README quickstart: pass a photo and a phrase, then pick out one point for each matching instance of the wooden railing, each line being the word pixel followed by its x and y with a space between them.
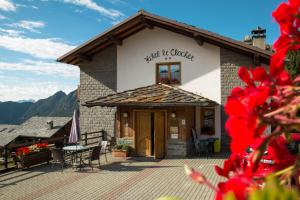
pixel 88 139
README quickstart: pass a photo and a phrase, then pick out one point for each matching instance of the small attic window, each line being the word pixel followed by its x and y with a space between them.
pixel 168 73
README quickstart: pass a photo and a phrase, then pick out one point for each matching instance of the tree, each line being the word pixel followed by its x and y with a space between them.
pixel 293 64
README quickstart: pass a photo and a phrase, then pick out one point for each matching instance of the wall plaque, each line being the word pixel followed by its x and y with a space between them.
pixel 169 53
pixel 174 136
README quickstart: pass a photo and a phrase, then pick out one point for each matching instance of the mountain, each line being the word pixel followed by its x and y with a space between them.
pixel 25 100
pixel 58 105
pixel 13 112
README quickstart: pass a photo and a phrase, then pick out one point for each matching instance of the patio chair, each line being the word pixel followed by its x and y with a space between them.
pixel 196 141
pixel 58 157
pixel 103 150
pixel 204 147
pixel 94 154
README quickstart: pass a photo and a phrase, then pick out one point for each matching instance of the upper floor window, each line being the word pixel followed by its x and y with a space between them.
pixel 168 73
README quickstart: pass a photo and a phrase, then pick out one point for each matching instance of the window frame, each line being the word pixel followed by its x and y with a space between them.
pixel 169 71
pixel 203 109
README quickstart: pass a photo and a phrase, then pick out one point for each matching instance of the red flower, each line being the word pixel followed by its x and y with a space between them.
pixel 238 185
pixel 242 105
pixel 244 75
pixel 22 151
pixel 42 145
pixel 259 74
pixel 233 164
pixel 287 15
pixel 278 151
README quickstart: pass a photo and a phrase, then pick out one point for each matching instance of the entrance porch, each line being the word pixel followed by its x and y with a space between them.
pixel 158 120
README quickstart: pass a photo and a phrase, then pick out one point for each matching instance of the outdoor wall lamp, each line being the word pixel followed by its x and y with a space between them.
pixel 125 114
pixel 173 114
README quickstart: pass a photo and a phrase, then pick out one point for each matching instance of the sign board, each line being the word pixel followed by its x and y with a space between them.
pixel 174 130
pixel 174 136
pixel 183 122
pixel 169 53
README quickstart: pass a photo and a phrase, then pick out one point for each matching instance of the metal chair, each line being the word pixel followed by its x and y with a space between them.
pixel 58 157
pixel 103 150
pixel 94 154
pixel 196 141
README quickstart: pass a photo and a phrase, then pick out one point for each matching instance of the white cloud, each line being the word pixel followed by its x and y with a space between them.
pixel 42 68
pixel 32 90
pixel 2 17
pixel 27 6
pixel 49 48
pixel 28 25
pixel 7 5
pixel 10 32
pixel 111 13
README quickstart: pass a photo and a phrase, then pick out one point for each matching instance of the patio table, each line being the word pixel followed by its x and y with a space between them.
pixel 76 149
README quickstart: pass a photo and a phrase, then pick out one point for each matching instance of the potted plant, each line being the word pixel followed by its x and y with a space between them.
pixel 28 156
pixel 122 148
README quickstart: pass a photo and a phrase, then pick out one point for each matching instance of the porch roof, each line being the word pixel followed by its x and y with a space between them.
pixel 152 95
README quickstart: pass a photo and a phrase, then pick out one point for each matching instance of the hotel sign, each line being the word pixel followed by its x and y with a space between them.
pixel 168 54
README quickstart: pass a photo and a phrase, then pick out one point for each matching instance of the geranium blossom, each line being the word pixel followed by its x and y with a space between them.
pixel 266 99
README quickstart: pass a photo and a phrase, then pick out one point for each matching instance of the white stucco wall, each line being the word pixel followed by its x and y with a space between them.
pixel 200 76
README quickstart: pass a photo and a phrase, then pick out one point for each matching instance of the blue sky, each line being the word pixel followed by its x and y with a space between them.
pixel 33 33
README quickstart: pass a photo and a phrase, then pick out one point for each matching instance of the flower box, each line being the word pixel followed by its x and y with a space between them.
pixel 120 153
pixel 28 156
pixel 35 158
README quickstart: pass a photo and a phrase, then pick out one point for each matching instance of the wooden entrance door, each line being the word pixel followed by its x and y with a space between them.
pixel 159 134
pixel 143 133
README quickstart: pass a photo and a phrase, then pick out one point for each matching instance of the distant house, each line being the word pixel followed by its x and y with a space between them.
pixel 7 128
pixel 151 80
pixel 47 129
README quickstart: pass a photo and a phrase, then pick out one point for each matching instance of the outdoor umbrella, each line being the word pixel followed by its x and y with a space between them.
pixel 75 130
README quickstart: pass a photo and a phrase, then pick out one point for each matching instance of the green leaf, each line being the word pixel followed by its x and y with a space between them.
pixel 229 196
pixel 273 190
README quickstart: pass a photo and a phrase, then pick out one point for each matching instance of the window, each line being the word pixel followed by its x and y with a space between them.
pixel 208 121
pixel 168 73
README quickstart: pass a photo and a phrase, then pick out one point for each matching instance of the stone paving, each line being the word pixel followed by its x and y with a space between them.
pixel 133 178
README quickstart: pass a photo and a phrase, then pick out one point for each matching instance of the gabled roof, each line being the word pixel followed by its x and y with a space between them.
pixel 7 128
pixel 152 95
pixel 35 127
pixel 142 20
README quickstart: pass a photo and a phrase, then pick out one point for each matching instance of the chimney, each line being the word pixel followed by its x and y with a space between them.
pixel 50 124
pixel 259 37
pixel 248 39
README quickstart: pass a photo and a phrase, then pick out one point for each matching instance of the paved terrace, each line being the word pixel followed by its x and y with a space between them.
pixel 132 179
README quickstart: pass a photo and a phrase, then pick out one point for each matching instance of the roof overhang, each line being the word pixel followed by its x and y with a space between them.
pixel 157 95
pixel 142 20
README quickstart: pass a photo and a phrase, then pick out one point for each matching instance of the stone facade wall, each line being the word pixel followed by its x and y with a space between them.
pixel 230 62
pixel 98 78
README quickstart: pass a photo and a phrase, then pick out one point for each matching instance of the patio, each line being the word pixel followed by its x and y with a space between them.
pixel 137 178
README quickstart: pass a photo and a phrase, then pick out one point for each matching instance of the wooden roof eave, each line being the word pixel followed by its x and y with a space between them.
pixel 202 104
pixel 211 39
pixel 101 41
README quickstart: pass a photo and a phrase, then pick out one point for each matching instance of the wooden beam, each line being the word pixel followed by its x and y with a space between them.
pixel 84 57
pixel 115 40
pixel 256 60
pixel 5 157
pixel 198 39
pixel 146 23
